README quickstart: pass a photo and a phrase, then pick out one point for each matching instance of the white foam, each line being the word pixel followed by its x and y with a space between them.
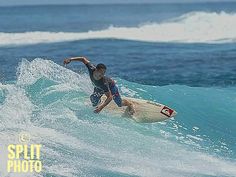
pixel 11 111
pixel 195 138
pixel 30 72
pixel 194 27
pixel 128 91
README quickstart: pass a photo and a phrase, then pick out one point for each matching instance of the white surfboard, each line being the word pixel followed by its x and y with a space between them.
pixel 146 111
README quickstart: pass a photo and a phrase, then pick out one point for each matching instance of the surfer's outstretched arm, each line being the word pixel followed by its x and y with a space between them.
pixel 81 59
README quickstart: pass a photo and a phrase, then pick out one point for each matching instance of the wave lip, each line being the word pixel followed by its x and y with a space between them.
pixel 194 27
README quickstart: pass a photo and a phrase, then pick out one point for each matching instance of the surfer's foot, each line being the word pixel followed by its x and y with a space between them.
pixel 131 109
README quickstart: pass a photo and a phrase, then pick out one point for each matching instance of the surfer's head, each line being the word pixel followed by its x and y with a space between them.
pixel 100 71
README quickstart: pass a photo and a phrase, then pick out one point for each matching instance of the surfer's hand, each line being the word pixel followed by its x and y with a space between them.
pixel 67 61
pixel 98 109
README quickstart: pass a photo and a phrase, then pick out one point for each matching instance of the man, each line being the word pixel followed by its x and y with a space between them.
pixel 102 85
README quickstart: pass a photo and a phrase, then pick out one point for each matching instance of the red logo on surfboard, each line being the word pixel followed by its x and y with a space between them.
pixel 167 111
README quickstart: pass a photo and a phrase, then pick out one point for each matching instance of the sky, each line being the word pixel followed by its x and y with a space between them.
pixel 36 2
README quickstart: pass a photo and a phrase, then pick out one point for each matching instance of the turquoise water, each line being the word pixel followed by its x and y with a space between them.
pixel 181 55
pixel 50 102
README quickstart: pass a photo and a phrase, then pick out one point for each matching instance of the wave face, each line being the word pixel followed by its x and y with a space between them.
pixel 76 142
pixel 194 27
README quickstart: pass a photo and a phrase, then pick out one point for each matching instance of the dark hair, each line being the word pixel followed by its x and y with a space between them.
pixel 101 66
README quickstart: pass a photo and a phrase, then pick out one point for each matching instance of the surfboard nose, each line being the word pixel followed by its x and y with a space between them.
pixel 174 113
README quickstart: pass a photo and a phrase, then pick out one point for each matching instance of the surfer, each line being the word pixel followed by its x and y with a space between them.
pixel 102 85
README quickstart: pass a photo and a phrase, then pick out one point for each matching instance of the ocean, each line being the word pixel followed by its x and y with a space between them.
pixel 181 55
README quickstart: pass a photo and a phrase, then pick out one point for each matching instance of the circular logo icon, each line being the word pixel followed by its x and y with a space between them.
pixel 24 137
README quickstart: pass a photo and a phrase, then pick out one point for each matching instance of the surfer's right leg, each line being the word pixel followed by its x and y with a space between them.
pixel 121 102
pixel 95 98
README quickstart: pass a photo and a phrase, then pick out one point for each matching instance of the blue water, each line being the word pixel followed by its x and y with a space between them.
pixel 181 55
